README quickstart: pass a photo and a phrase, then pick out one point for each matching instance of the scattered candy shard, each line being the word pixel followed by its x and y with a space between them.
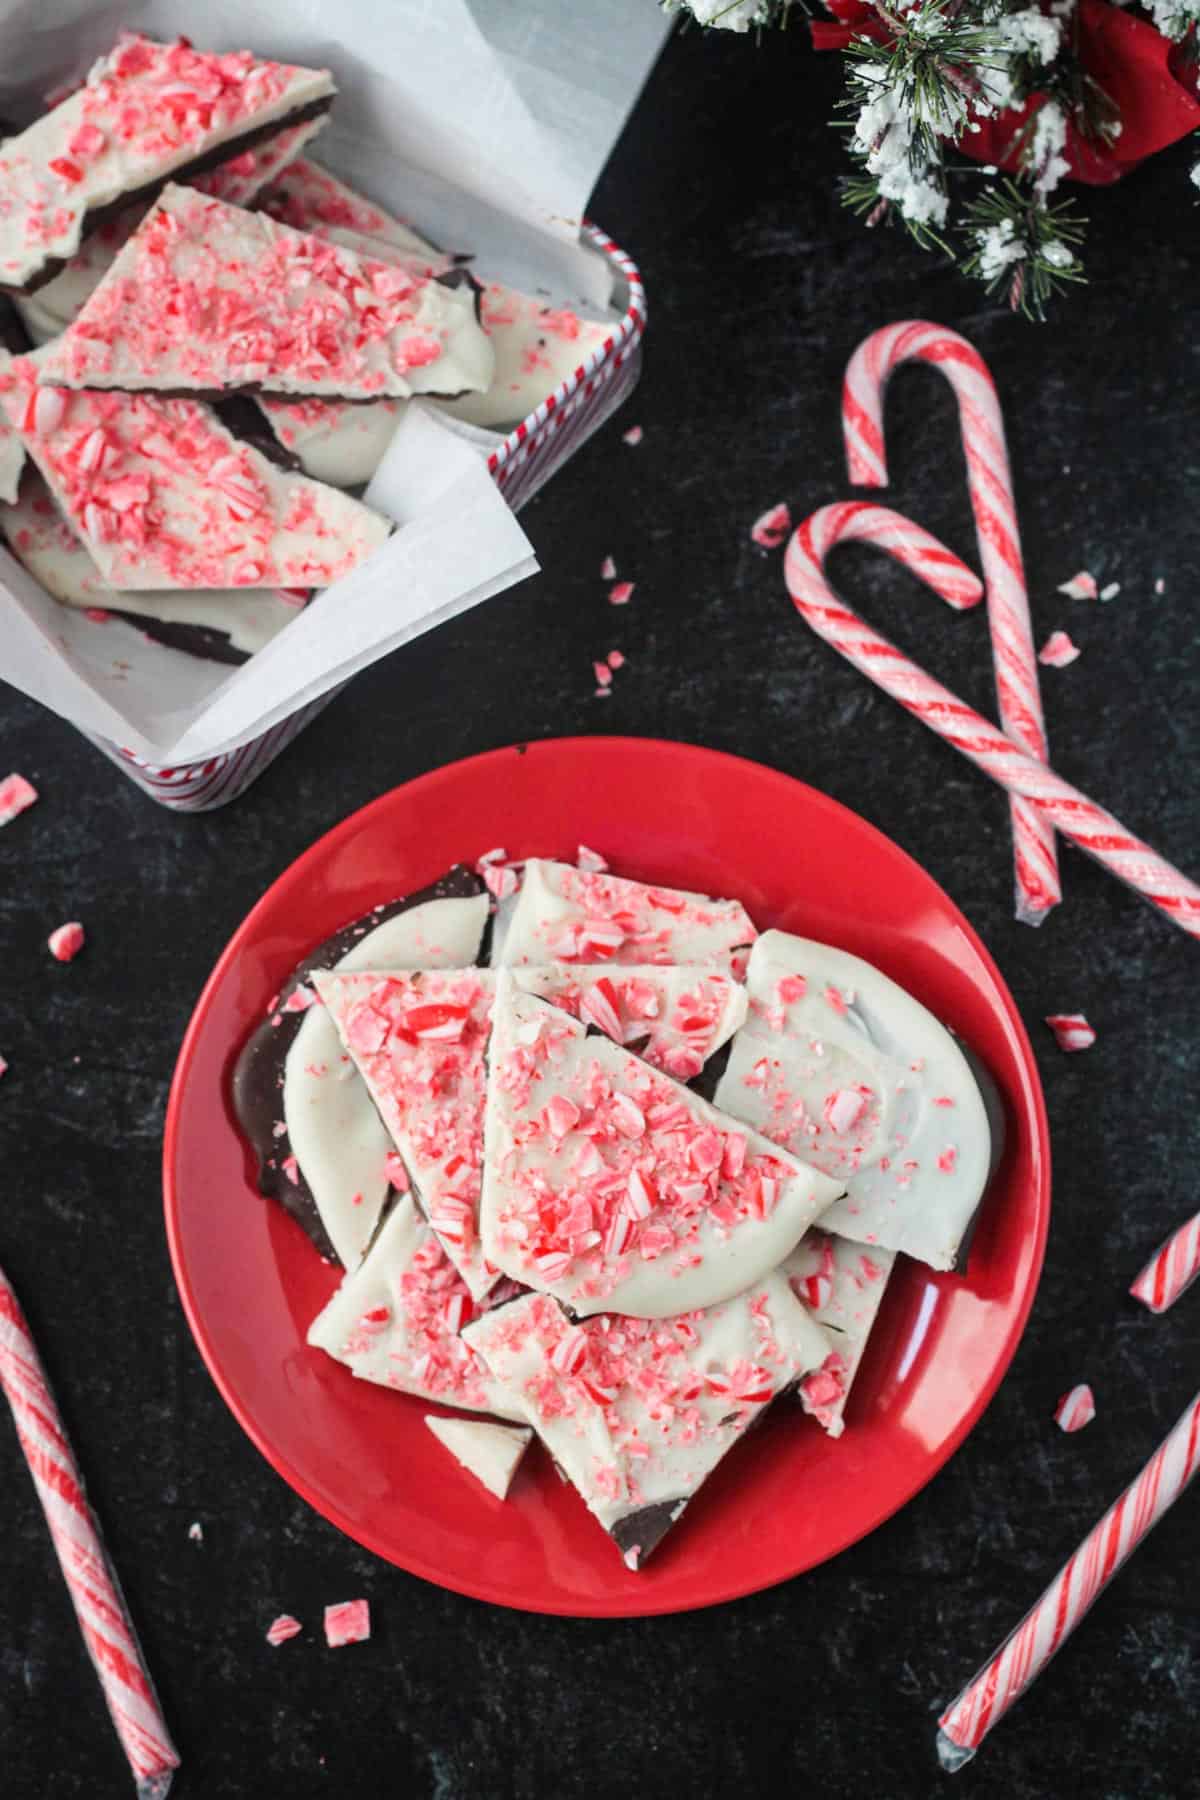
pixel 53 307
pixel 1080 587
pixel 825 1027
pixel 1076 1409
pixel 66 942
pixel 16 794
pixel 637 1413
pixel 772 527
pixel 1071 1031
pixel 396 1320
pixel 419 1041
pixel 1111 591
pixel 195 1532
pixel 621 593
pixel 633 436
pixel 1058 650
pixel 3 1066
pixel 675 1018
pixel 843 1285
pixel 332 1128
pixel 228 625
pixel 608 569
pixel 572 915
pixel 208 297
pixel 146 112
pixel 489 1452
pixel 283 1628
pixel 164 497
pixel 612 1187
pixel 349 1622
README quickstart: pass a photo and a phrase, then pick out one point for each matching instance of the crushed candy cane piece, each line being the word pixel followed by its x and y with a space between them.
pixel 771 527
pixel 196 1532
pixel 3 1066
pixel 616 659
pixel 15 795
pixel 1160 586
pixel 621 593
pixel 1080 587
pixel 283 1628
pixel 1058 650
pixel 603 674
pixel 66 942
pixel 1111 591
pixel 590 861
pixel 1071 1031
pixel 299 1000
pixel 633 436
pixel 608 569
pixel 1076 1409
pixel 347 1623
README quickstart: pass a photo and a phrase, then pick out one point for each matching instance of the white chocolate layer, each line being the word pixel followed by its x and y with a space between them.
pixel 843 1285
pixel 491 1453
pixel 337 1137
pixel 638 1412
pixel 40 537
pixel 614 1188
pixel 565 914
pixel 840 1065
pixel 145 111
pixel 396 1320
pixel 207 297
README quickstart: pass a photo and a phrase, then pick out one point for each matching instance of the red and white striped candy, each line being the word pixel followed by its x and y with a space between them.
pixel 1076 1409
pixel 1071 1031
pixel 15 795
pixel 106 1626
pixel 989 479
pixel 999 756
pixel 1058 651
pixel 281 1629
pixel 1046 1627
pixel 1171 1270
pixel 598 1006
pixel 349 1622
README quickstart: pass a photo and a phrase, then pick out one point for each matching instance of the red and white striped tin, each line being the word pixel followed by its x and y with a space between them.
pixel 520 466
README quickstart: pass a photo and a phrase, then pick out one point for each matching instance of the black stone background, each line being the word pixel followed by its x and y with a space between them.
pixel 760 287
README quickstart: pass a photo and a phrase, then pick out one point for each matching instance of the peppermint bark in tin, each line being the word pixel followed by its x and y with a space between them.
pixel 207 298
pixel 616 1189
pixel 638 1412
pixel 148 111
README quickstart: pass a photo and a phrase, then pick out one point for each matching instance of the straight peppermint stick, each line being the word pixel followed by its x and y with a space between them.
pixel 1049 1623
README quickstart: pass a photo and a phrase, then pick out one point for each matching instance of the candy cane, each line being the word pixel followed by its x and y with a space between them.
pixel 1064 807
pixel 91 1582
pixel 1046 1627
pixel 1170 1270
pixel 989 479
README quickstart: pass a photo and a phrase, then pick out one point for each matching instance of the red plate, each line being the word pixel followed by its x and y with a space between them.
pixel 787 1498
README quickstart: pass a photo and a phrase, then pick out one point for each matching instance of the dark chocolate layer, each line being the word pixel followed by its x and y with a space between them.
pixel 97 216
pixel 257 1081
pixel 645 1529
pixel 238 414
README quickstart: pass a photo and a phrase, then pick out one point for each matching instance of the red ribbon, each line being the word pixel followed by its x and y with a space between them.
pixel 1126 57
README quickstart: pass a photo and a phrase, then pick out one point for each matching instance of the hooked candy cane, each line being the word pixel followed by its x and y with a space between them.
pixel 989 480
pixel 1065 808
pixel 1051 1620
pixel 1171 1270
pixel 95 1594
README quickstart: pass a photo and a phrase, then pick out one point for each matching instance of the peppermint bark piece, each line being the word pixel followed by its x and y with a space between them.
pixel 537 347
pixel 839 1064
pixel 207 298
pixel 616 1189
pixel 163 496
pixel 491 1453
pixel 397 1319
pixel 638 1412
pixel 308 198
pixel 340 442
pixel 843 1285
pixel 675 1018
pixel 147 111
pixel 563 914
pixel 322 1148
pixel 53 307
pixel 419 1041
pixel 221 625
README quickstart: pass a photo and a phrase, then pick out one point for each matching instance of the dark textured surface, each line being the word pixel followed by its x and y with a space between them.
pixel 760 288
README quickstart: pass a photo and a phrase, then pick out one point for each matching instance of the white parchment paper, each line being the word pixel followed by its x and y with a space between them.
pixel 484 122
